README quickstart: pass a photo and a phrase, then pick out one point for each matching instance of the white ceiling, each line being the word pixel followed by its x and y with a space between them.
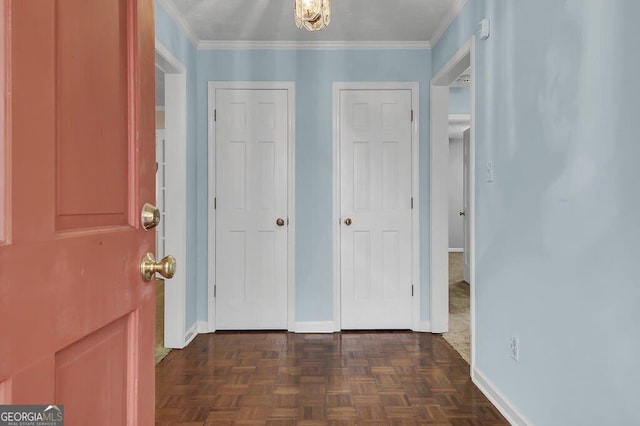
pixel 418 22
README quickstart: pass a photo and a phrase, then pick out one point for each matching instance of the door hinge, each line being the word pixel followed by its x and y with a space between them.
pixel 215 115
pixel 412 202
pixel 215 203
pixel 214 291
pixel 411 290
pixel 412 116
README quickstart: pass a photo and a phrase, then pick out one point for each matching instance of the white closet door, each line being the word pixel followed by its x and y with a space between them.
pixel 375 169
pixel 251 211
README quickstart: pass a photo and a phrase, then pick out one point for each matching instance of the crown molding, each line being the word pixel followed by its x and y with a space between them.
pixel 447 21
pixel 310 45
pixel 179 19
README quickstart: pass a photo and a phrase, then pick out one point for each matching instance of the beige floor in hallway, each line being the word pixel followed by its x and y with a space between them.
pixel 459 335
pixel 161 351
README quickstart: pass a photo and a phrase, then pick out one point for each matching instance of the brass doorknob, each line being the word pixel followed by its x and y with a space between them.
pixel 165 266
pixel 347 221
pixel 149 216
pixel 460 213
pixel 280 221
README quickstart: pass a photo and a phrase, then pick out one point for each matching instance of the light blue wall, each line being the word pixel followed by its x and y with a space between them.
pixel 557 234
pixel 459 100
pixel 168 33
pixel 314 71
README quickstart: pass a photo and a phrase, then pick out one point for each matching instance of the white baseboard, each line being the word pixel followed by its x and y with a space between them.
pixel 314 327
pixel 502 403
pixel 191 334
pixel 456 250
pixel 203 327
pixel 423 327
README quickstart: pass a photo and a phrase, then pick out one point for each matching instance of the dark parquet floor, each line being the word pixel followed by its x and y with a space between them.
pixel 350 378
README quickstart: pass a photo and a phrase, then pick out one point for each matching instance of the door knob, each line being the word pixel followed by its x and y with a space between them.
pixel 280 221
pixel 149 216
pixel 149 266
pixel 461 213
pixel 347 221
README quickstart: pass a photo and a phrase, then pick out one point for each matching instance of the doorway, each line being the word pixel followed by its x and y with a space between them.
pixel 459 331
pixel 376 206
pixel 171 159
pixel 461 64
pixel 161 349
pixel 251 221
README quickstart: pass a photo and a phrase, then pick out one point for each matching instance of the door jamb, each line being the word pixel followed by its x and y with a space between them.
pixel 417 325
pixel 290 87
pixel 175 333
pixel 439 271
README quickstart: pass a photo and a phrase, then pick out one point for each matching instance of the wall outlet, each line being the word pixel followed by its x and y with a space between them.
pixel 515 348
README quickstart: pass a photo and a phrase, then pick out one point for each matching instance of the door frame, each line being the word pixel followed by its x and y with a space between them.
pixel 414 86
pixel 290 87
pixel 175 80
pixel 439 202
pixel 458 123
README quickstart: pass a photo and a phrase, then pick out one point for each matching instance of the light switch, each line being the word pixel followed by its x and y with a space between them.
pixel 483 29
pixel 489 171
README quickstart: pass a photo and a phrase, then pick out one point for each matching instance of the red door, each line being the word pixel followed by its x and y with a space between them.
pixel 77 163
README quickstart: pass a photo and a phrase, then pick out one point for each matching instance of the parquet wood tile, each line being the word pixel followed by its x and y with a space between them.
pixel 350 378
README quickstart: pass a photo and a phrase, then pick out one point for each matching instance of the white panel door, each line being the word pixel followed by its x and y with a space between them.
pixel 375 205
pixel 466 184
pixel 251 195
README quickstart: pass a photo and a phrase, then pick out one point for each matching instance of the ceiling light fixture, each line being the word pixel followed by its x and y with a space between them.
pixel 314 15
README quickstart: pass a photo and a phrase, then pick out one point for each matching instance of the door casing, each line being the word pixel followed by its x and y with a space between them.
pixel 417 325
pixel 439 202
pixel 291 111
pixel 175 333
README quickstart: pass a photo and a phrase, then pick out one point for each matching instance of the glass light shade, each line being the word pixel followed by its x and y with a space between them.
pixel 314 15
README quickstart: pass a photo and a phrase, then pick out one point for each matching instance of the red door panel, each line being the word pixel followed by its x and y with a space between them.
pixel 77 158
pixel 91 113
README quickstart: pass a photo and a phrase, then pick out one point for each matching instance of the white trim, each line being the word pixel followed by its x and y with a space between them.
pixel 472 199
pixel 169 63
pixel 179 19
pixel 423 327
pixel 159 108
pixel 459 118
pixel 203 327
pixel 454 67
pixel 447 21
pixel 309 45
pixel 176 215
pixel 439 271
pixel 456 250
pixel 497 398
pixel 191 334
pixel 415 184
pixel 314 327
pixel 458 123
pixel 415 212
pixel 290 87
pixel 438 209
